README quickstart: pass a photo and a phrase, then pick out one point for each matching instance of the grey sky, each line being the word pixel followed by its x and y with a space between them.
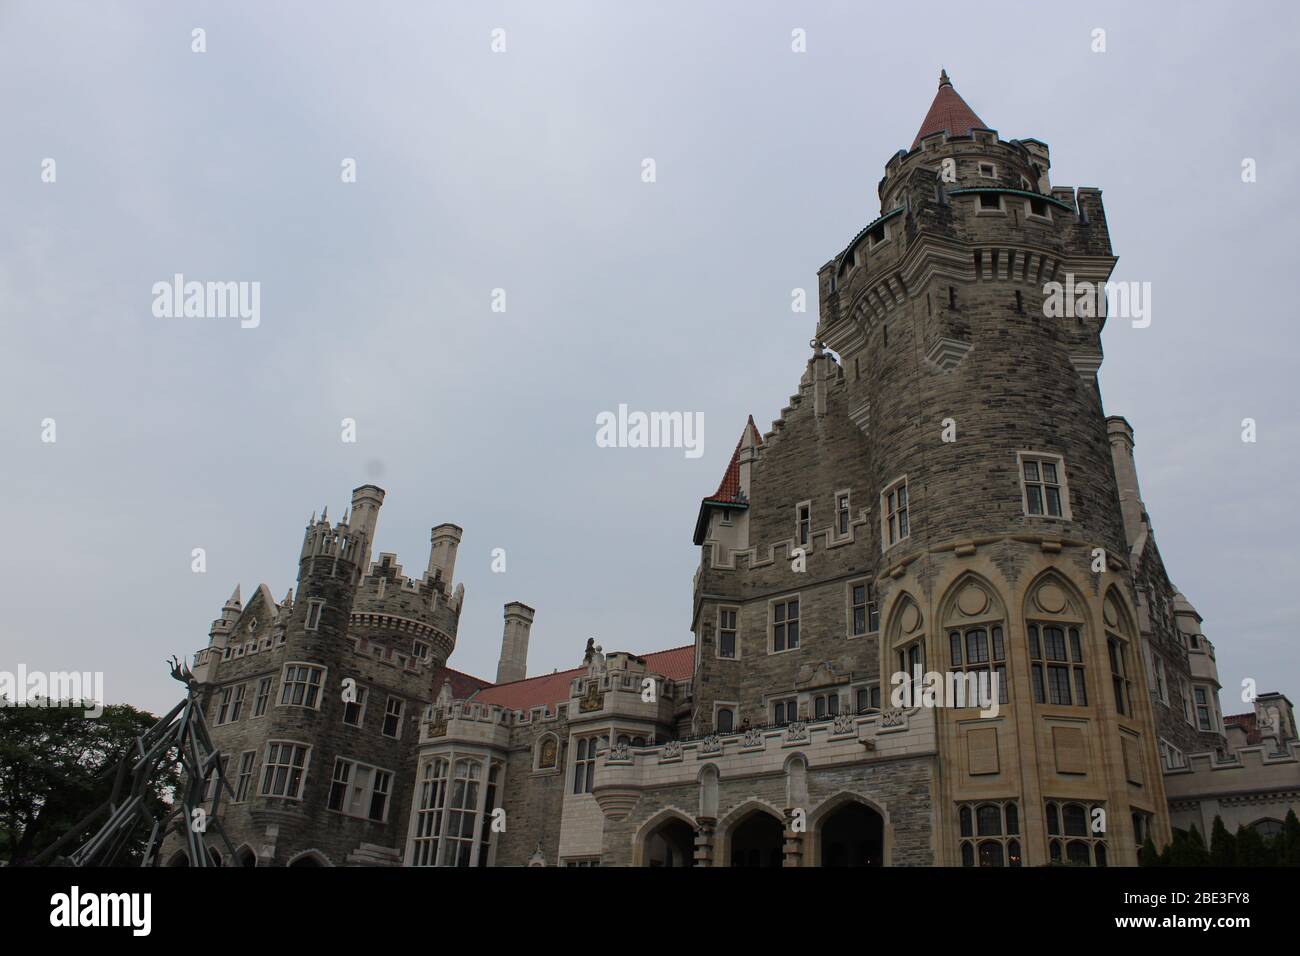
pixel 522 171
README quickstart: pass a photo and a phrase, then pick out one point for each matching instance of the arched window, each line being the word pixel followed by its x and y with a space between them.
pixel 1267 828
pixel 981 651
pixel 997 825
pixel 1086 845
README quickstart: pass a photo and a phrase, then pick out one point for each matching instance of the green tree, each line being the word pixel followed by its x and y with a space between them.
pixel 1290 850
pixel 56 766
pixel 1251 849
pixel 1147 855
pixel 1223 849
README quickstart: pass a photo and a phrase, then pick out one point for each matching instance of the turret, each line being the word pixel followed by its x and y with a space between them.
pixel 366 502
pixel 444 540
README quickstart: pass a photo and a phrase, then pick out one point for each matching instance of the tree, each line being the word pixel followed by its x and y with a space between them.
pixel 1289 852
pixel 57 765
pixel 1223 848
pixel 1251 849
pixel 1147 855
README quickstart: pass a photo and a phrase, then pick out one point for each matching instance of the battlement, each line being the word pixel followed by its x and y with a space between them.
pixel 339 542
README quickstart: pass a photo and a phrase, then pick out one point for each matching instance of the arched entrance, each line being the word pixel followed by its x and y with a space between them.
pixel 758 840
pixel 672 843
pixel 852 835
pixel 246 857
pixel 310 858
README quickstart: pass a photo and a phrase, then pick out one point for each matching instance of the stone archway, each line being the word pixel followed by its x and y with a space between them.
pixel 852 834
pixel 309 858
pixel 670 844
pixel 758 839
pixel 245 856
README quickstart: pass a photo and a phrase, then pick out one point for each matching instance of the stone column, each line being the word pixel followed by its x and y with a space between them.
pixel 793 852
pixel 704 841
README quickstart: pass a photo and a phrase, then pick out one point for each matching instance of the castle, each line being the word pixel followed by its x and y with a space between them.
pixel 943 494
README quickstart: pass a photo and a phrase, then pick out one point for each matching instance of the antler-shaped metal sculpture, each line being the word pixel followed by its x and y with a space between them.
pixel 180 737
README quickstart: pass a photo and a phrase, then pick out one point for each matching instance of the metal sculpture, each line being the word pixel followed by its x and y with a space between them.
pixel 181 738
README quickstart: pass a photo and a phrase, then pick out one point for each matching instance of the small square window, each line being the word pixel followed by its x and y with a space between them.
pixel 990 202
pixel 988 170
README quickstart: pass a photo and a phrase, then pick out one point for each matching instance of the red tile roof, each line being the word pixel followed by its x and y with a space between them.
pixel 462 685
pixel 729 490
pixel 948 112
pixel 677 663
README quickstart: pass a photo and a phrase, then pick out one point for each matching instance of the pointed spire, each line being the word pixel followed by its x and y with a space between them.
pixel 288 598
pixel 234 599
pixel 949 113
pixel 325 515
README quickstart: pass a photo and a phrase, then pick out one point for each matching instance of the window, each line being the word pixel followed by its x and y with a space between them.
pixel 980 650
pixel 990 202
pixel 724 517
pixel 785 711
pixel 990 833
pixel 584 764
pixel 212 784
pixel 1158 672
pixel 354 711
pixel 237 704
pixel 1075 833
pixel 826 705
pixel 727 632
pixel 1038 208
pixel 894 513
pixel 804 523
pixel 785 625
pixel 1118 653
pixel 359 790
pixel 724 719
pixel 263 697
pixel 314 608
pixel 224 706
pixel 911 663
pixel 461 814
pixel 428 819
pixel 864 618
pixel 489 804
pixel 245 779
pixel 301 685
pixel 285 765
pixel 1142 822
pixel 393 717
pixel 842 513
pixel 1056 665
pixel 878 235
pixel 1043 480
pixel 1204 713
pixel 1171 756
pixel 420 650
pixel 868 698
pixel 1186 690
pixel 988 170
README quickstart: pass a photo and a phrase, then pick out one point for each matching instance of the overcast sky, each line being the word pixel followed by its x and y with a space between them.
pixel 522 171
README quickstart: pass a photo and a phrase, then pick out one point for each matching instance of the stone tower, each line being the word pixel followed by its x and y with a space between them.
pixel 314 701
pixel 940 496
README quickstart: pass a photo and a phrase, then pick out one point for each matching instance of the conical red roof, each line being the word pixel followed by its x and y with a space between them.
pixel 729 489
pixel 948 112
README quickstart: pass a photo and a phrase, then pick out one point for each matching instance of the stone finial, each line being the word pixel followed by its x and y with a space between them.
pixel 943 78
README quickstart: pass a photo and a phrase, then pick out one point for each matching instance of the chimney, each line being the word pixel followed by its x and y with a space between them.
pixel 1120 433
pixel 366 502
pixel 514 643
pixel 445 539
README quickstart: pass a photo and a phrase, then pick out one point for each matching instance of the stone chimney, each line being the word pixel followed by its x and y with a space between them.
pixel 366 502
pixel 445 539
pixel 1120 433
pixel 514 643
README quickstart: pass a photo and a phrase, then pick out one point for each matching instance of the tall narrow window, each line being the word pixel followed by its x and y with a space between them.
pixel 911 663
pixel 428 823
pixel 1044 481
pixel 223 707
pixel 393 717
pixel 237 704
pixel 584 764
pixel 313 614
pixel 245 779
pixel 842 513
pixel 1118 653
pixel 1204 714
pixel 785 625
pixel 805 523
pixel 263 697
pixel 354 710
pixel 285 765
pixel 785 711
pixel 863 616
pixel 1056 665
pixel 725 720
pixel 894 512
pixel 727 632
pixel 462 809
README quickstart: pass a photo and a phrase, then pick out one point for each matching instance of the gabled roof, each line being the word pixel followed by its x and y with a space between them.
pixel 677 663
pixel 729 491
pixel 948 112
pixel 463 686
